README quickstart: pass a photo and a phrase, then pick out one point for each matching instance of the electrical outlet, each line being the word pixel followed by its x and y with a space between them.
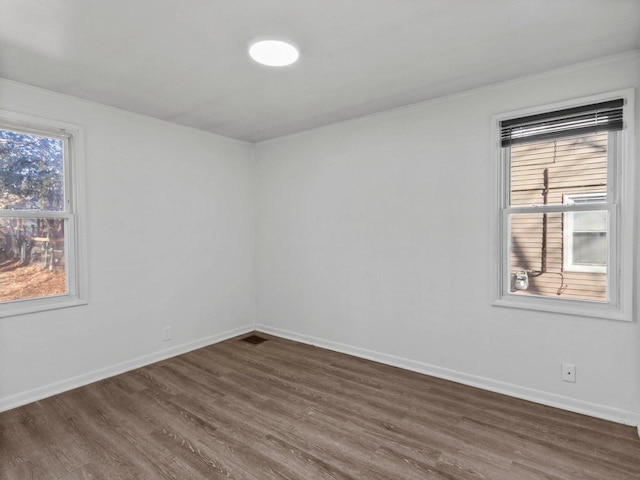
pixel 166 334
pixel 568 373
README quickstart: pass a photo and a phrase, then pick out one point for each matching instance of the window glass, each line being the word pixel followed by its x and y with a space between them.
pixel 542 173
pixel 590 248
pixel 585 235
pixel 537 251
pixel 33 216
pixel 31 172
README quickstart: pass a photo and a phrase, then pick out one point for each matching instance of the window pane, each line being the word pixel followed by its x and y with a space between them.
pixel 590 221
pixel 31 172
pixel 32 258
pixel 536 258
pixel 542 173
pixel 590 248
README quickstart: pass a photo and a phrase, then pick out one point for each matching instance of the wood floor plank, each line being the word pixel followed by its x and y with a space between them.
pixel 86 472
pixel 27 471
pixel 284 410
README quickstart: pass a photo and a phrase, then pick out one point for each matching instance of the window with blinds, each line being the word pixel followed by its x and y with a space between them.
pixel 560 204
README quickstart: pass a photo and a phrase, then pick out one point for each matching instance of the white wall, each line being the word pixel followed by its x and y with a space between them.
pixel 375 237
pixel 170 227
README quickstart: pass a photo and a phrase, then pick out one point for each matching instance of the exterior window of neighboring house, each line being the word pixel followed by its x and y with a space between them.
pixel 38 219
pixel 565 209
pixel 585 235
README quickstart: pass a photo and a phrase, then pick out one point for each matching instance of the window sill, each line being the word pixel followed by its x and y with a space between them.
pixel 39 305
pixel 565 307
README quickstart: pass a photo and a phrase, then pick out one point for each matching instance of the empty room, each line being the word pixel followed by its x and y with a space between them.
pixel 280 239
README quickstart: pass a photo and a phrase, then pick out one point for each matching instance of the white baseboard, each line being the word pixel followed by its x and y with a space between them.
pixel 55 388
pixel 538 396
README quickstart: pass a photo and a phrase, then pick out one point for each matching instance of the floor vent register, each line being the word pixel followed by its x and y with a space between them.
pixel 254 339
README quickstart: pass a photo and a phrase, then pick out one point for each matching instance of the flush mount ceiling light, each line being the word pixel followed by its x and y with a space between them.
pixel 274 53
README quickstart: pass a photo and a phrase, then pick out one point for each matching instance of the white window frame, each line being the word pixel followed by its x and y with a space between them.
pixel 73 214
pixel 568 231
pixel 620 208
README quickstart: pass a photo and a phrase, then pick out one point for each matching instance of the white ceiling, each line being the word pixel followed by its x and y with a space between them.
pixel 186 62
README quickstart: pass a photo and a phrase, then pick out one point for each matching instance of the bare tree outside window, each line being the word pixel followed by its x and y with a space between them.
pixel 32 223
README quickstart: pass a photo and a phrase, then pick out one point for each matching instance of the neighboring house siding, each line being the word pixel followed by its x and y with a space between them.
pixel 575 165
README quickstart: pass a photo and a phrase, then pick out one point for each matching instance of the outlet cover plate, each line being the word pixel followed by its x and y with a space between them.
pixel 166 334
pixel 568 373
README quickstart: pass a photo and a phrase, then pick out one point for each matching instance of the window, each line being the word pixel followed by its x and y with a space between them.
pixel 38 235
pixel 565 208
pixel 584 235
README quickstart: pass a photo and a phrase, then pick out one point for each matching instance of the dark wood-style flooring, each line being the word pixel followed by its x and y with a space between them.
pixel 284 410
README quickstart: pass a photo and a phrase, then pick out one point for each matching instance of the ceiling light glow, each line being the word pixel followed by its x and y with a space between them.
pixel 274 53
